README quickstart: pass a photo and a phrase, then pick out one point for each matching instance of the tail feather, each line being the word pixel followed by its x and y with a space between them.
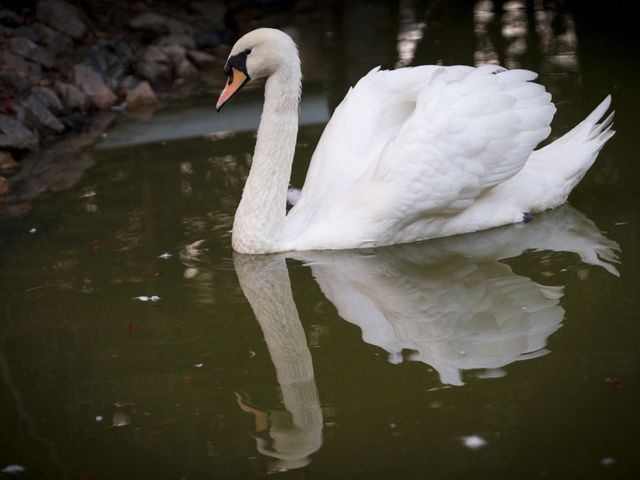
pixel 566 160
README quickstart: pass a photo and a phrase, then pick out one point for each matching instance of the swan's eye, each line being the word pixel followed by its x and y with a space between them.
pixel 247 51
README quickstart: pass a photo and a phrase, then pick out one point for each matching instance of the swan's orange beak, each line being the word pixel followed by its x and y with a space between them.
pixel 236 81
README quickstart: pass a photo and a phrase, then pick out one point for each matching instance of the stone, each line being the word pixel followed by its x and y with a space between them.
pixel 4 186
pixel 150 22
pixel 14 62
pixel 29 50
pixel 48 98
pixel 10 19
pixel 175 53
pixel 206 39
pixel 112 59
pixel 91 83
pixel 75 121
pixel 42 115
pixel 154 54
pixel 35 72
pixel 15 135
pixel 26 32
pixel 129 82
pixel 8 163
pixel 14 82
pixel 72 97
pixel 62 16
pixel 56 42
pixel 154 23
pixel 141 96
pixel 156 73
pixel 201 59
pixel 213 12
pixel 183 40
pixel 185 69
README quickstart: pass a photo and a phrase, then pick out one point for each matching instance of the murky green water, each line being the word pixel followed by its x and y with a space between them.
pixel 511 353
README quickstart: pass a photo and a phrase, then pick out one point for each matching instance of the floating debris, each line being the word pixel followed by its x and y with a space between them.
pixel 188 379
pixel 144 298
pixel 607 461
pixel 13 469
pixel 165 256
pixel 199 365
pixel 99 418
pixel 474 441
pixel 33 230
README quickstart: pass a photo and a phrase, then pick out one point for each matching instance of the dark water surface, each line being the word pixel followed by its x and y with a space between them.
pixel 511 353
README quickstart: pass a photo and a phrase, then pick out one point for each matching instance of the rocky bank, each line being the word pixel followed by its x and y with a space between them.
pixel 61 63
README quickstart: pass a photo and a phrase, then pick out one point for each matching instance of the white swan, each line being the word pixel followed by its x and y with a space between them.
pixel 409 154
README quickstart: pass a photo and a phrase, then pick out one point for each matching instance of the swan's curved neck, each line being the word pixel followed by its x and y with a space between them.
pixel 259 221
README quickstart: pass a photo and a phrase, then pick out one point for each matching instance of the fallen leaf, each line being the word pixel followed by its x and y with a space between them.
pixel 252 354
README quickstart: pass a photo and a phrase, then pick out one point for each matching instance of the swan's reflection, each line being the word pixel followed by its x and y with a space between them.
pixel 292 435
pixel 450 301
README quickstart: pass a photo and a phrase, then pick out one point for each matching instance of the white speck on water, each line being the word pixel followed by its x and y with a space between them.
pixel 165 256
pixel 12 469
pixel 99 418
pixel 474 441
pixel 199 365
pixel 617 224
pixel 607 461
pixel 145 298
pixel 33 230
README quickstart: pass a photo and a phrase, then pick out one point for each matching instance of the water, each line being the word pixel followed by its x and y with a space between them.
pixel 505 353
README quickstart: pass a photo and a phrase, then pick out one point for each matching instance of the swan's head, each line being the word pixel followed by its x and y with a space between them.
pixel 259 53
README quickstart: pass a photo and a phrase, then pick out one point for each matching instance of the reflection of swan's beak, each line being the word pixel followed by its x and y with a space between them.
pixel 262 418
pixel 237 80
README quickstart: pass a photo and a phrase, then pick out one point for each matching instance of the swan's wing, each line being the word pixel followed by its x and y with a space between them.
pixel 464 136
pixel 371 114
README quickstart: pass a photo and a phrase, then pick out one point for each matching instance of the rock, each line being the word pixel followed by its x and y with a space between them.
pixel 9 18
pixel 15 135
pixel 4 186
pixel 154 65
pixel 8 163
pixel 14 62
pixel 154 54
pixel 28 49
pixel 206 39
pixel 141 96
pixel 183 40
pixel 201 59
pixel 214 12
pixel 75 121
pixel 19 111
pixel 26 32
pixel 55 41
pixel 157 24
pixel 156 73
pixel 185 69
pixel 129 82
pixel 72 97
pixel 48 98
pixel 150 22
pixel 62 16
pixel 112 59
pixel 12 81
pixel 42 115
pixel 175 53
pixel 91 83
pixel 35 72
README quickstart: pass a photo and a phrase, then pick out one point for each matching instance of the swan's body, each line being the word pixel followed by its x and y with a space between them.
pixel 409 154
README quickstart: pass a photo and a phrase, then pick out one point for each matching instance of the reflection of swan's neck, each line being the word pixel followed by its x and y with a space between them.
pixel 259 220
pixel 265 283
